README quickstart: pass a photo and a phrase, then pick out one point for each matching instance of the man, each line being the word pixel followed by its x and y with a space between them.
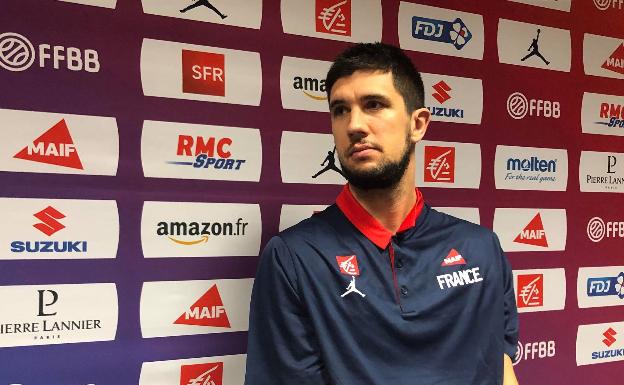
pixel 380 288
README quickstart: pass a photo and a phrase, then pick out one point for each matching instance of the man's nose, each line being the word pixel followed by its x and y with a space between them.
pixel 357 123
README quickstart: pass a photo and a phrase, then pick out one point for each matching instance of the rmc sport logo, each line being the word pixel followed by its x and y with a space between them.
pixel 613 115
pixel 210 152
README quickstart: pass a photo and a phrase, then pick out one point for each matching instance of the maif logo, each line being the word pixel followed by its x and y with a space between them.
pixel 603 56
pixel 518 107
pixel 454 99
pixel 599 343
pixel 203 73
pixel 207 311
pixel 195 72
pixel 533 233
pixel 540 289
pixel 597 229
pixel 441 31
pixel 59 143
pixel 440 164
pixel 173 308
pixel 17 54
pixel 202 374
pixel 531 229
pixel 530 290
pixel 615 61
pixel 54 146
pixel 190 229
pixel 600 286
pixel 194 151
pixel 219 370
pixel 57 314
pixel 59 229
pixel 333 16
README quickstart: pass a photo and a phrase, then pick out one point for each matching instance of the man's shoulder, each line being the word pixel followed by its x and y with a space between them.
pixel 458 226
pixel 319 226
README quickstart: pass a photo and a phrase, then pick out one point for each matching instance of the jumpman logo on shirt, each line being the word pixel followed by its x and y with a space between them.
pixel 205 3
pixel 352 289
pixel 534 48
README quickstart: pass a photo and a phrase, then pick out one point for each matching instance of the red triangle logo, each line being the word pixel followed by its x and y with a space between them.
pixel 533 233
pixel 54 146
pixel 207 311
pixel 453 258
pixel 615 62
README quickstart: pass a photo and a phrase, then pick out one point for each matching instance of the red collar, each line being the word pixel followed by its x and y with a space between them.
pixel 367 224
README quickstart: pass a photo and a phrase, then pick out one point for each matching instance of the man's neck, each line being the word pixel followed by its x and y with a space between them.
pixel 389 206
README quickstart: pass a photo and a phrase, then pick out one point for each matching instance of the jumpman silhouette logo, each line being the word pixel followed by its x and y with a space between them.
pixel 330 161
pixel 534 48
pixel 352 289
pixel 205 3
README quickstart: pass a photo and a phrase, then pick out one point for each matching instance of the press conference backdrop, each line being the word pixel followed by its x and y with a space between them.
pixel 150 148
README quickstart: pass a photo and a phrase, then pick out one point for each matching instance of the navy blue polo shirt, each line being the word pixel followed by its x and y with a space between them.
pixel 339 300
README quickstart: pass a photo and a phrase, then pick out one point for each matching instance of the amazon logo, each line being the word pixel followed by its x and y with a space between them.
pixel 194 233
pixel 311 87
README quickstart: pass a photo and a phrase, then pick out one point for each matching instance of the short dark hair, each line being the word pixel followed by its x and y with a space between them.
pixel 385 58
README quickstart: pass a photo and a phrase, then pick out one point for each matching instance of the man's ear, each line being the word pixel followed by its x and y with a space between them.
pixel 419 122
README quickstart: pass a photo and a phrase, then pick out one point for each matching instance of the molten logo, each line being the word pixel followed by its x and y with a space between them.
pixel 533 233
pixel 615 62
pixel 203 73
pixel 453 258
pixel 54 146
pixel 207 311
pixel 348 264
pixel 609 337
pixel 530 290
pixel 202 374
pixel 441 94
pixel 48 217
pixel 440 163
pixel 333 16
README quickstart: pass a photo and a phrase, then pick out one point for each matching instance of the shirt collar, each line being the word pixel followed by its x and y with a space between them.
pixel 367 224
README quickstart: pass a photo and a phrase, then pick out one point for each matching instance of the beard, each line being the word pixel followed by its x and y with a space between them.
pixel 388 174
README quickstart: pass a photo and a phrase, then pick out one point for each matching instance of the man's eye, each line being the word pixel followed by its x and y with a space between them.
pixel 337 111
pixel 374 105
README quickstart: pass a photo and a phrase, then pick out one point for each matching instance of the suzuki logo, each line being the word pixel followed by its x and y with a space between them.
pixel 609 337
pixel 48 217
pixel 441 94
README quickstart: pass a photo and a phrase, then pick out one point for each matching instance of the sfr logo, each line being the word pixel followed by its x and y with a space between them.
pixel 203 73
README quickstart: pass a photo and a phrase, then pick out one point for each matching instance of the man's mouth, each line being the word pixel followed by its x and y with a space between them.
pixel 362 149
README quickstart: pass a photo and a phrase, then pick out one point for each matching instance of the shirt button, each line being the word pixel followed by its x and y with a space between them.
pixel 399 263
pixel 404 291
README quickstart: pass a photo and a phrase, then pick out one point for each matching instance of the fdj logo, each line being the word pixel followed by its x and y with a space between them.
pixel 613 112
pixel 204 151
pixel 18 54
pixel 452 32
pixel 534 350
pixel 606 286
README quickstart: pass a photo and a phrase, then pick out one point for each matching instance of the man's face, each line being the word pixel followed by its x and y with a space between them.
pixel 372 129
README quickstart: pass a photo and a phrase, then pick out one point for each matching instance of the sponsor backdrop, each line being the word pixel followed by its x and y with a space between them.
pixel 150 148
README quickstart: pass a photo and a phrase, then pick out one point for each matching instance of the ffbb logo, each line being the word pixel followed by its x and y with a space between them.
pixel 202 374
pixel 17 53
pixel 203 73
